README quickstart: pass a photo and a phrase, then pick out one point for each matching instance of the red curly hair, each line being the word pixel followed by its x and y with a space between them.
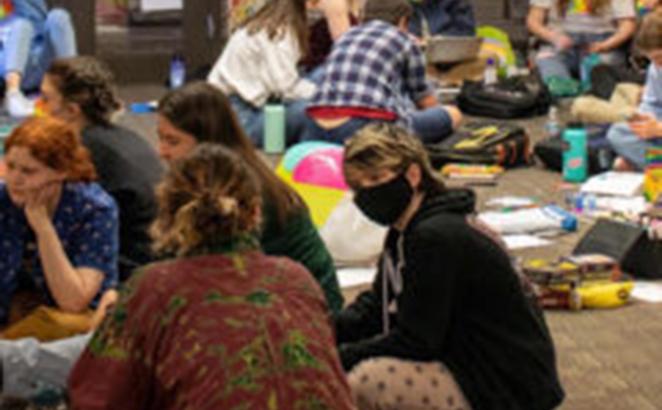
pixel 55 144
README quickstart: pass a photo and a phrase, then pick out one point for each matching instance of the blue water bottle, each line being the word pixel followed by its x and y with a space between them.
pixel 177 71
pixel 575 155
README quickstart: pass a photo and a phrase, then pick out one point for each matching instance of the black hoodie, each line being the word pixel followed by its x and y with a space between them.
pixel 461 303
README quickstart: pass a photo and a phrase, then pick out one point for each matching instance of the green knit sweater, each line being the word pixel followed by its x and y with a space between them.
pixel 300 241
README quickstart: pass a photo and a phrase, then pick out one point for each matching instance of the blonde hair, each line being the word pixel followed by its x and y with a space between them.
pixel 207 199
pixel 383 146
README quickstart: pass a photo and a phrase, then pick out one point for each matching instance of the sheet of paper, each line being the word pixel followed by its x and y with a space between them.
pixel 350 277
pixel 645 291
pixel 524 241
pixel 510 201
pixel 615 183
pixel 161 5
pixel 626 205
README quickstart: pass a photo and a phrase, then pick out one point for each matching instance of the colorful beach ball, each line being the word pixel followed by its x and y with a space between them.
pixel 314 170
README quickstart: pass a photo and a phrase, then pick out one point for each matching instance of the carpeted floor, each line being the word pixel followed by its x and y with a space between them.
pixel 608 360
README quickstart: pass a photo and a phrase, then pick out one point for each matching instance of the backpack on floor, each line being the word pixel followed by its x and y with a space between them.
pixel 600 154
pixel 489 143
pixel 514 97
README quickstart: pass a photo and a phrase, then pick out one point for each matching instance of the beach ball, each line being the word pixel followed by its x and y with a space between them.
pixel 323 168
pixel 314 171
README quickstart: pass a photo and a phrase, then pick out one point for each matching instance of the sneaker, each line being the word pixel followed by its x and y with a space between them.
pixel 18 105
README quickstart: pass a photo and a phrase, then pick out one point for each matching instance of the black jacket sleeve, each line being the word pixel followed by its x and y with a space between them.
pixel 363 318
pixel 425 306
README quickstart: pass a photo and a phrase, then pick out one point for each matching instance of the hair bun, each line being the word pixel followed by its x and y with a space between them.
pixel 227 206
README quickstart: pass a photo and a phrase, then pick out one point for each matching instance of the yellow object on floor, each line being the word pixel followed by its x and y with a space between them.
pixel 46 324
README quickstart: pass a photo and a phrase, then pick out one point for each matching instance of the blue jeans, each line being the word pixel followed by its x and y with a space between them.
pixel 252 120
pixel 30 53
pixel 630 146
pixel 566 63
pixel 338 135
pixel 31 367
pixel 447 17
pixel 432 124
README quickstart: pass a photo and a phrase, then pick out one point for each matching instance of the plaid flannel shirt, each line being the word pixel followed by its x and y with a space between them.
pixel 374 66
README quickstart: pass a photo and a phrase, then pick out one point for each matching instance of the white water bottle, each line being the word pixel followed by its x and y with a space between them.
pixel 490 75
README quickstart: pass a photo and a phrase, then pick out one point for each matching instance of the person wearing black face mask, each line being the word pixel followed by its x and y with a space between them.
pixel 447 323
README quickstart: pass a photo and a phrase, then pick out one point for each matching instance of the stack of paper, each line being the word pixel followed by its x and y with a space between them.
pixel 613 183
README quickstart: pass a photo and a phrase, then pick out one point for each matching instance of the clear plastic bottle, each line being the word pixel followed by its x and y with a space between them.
pixel 177 71
pixel 553 126
pixel 490 75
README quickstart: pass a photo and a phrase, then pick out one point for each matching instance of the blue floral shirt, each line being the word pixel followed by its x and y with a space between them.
pixel 86 221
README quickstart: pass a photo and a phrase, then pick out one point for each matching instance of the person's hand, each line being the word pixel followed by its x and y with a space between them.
pixel 563 42
pixel 40 204
pixel 107 303
pixel 645 126
pixel 422 42
pixel 597 47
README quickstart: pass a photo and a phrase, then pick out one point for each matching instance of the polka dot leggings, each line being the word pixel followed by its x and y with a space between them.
pixel 388 384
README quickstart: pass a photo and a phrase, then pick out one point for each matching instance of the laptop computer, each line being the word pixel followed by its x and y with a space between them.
pixel 451 49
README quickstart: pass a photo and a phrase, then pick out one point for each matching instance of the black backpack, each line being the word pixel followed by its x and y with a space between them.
pixel 514 97
pixel 600 154
pixel 488 143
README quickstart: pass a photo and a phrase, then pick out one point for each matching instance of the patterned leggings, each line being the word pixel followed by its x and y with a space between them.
pixel 388 384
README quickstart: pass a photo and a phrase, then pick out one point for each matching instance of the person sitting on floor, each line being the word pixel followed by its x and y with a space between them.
pixel 193 114
pixel 442 17
pixel 631 139
pixel 35 37
pixel 197 113
pixel 376 72
pixel 221 325
pixel 577 29
pixel 327 19
pixel 259 63
pixel 58 232
pixel 447 323
pixel 81 91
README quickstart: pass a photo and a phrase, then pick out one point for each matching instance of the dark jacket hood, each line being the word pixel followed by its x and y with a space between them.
pixel 455 201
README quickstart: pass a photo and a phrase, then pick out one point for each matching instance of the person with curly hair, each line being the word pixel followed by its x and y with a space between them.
pixel 58 234
pixel 221 325
pixel 81 91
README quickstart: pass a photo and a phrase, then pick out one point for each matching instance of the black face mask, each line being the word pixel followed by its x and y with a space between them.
pixel 386 202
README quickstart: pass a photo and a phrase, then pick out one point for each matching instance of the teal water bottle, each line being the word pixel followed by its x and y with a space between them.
pixel 588 64
pixel 274 128
pixel 575 155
